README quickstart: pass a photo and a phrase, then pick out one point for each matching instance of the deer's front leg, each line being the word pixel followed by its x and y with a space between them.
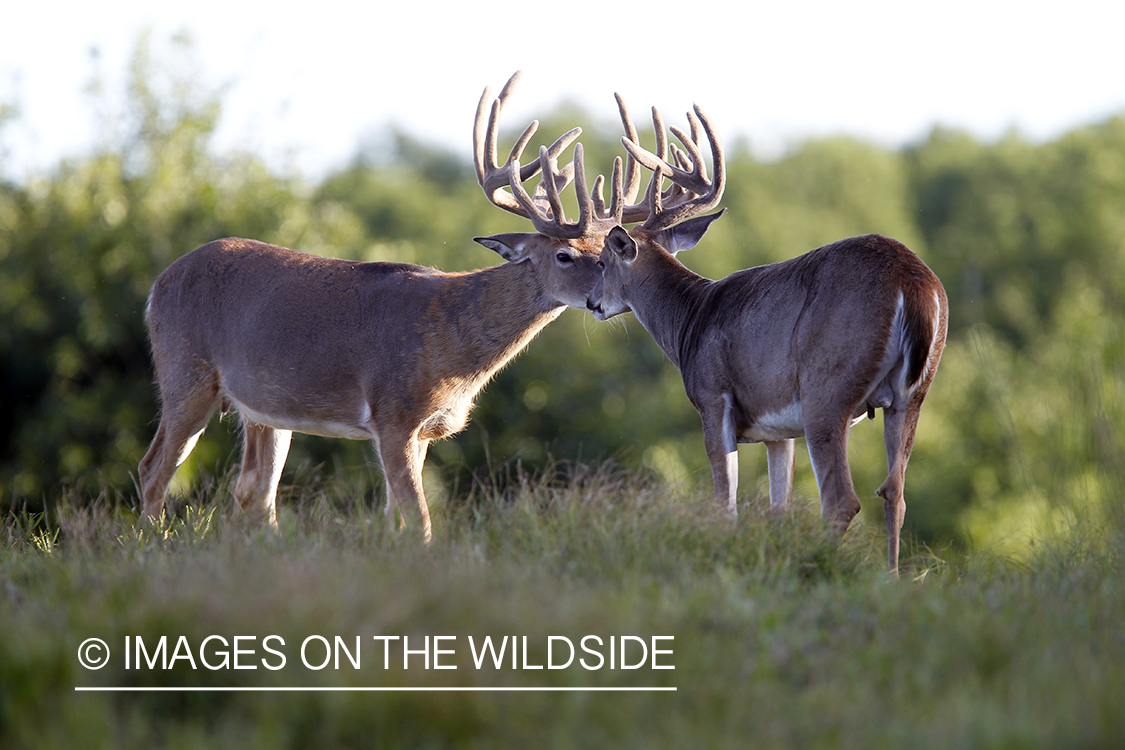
pixel 780 457
pixel 722 451
pixel 402 458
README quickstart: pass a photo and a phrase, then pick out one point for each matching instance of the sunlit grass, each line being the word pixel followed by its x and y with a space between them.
pixel 782 635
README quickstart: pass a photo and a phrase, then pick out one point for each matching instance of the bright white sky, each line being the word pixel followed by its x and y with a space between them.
pixel 314 79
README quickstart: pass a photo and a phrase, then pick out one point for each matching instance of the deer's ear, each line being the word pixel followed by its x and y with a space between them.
pixel 686 234
pixel 621 244
pixel 514 247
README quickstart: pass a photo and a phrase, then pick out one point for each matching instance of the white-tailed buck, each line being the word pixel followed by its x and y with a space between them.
pixel 387 352
pixel 806 347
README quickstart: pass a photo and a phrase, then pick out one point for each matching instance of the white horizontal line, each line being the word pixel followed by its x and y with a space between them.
pixel 534 689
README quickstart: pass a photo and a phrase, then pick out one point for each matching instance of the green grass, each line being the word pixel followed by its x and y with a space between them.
pixel 783 637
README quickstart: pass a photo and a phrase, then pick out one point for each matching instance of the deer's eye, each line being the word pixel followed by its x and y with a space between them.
pixel 563 258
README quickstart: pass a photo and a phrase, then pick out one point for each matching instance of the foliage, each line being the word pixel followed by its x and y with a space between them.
pixel 1023 427
pixel 78 252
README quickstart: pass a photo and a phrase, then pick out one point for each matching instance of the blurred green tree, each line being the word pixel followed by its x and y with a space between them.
pixel 78 251
pixel 1023 427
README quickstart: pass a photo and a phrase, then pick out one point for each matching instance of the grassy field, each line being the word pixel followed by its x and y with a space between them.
pixel 781 637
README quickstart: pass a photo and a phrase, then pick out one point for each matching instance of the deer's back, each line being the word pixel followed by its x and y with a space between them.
pixel 234 293
pixel 284 330
pixel 823 313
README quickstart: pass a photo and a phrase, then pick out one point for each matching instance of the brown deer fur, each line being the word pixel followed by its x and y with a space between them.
pixel 804 347
pixel 390 352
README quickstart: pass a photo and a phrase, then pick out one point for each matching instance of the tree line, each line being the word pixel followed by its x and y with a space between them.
pixel 1022 428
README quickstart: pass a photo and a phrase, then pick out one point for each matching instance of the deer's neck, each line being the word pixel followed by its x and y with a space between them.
pixel 493 314
pixel 665 300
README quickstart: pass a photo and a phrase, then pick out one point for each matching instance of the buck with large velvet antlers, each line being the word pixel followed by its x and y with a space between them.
pixel 387 352
pixel 806 347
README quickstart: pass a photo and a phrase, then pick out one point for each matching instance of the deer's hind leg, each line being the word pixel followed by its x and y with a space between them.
pixel 402 457
pixel 899 425
pixel 186 408
pixel 827 415
pixel 827 420
pixel 828 452
pixel 263 456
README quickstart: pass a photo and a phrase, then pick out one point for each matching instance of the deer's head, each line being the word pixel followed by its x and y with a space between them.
pixel 569 256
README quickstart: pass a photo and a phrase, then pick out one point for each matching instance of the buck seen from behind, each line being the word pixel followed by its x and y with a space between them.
pixel 805 347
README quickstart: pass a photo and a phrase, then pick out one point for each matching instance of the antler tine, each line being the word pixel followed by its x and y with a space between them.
pixel 693 121
pixel 618 197
pixel 585 208
pixel 489 174
pixel 707 193
pixel 653 162
pixel 597 198
pixel 688 169
pixel 528 170
pixel 484 152
pixel 718 158
pixel 484 149
pixel 683 161
pixel 479 142
pixel 559 178
pixel 654 200
pixel 632 182
pixel 661 135
pixel 676 192
pixel 527 206
pixel 561 144
pixel 551 185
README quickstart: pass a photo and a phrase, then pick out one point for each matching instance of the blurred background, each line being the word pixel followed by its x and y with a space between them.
pixel 1022 218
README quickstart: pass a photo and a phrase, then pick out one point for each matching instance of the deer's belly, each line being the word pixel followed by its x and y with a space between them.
pixel 306 424
pixel 779 424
